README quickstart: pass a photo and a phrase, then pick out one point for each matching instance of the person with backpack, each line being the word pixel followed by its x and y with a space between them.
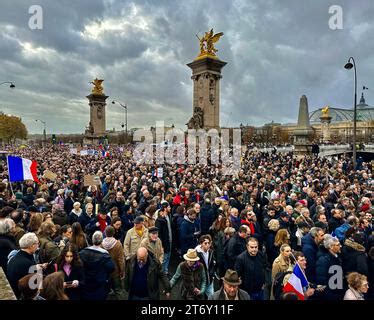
pixel 281 266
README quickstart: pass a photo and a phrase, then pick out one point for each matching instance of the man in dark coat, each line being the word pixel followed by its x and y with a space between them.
pixel 143 274
pixel 337 219
pixel 188 232
pixel 230 289
pixel 69 202
pixel 97 266
pixel 207 217
pixel 23 263
pixel 251 265
pixel 354 257
pixel 119 203
pixel 86 216
pixel 329 265
pixel 163 223
pixel 235 246
pixel 7 242
pixel 310 244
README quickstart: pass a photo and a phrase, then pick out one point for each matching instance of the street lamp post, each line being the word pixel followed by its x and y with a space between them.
pixel 44 131
pixel 124 106
pixel 349 65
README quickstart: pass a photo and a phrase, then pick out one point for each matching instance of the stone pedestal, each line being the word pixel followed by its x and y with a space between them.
pixel 97 126
pixel 206 75
pixel 325 128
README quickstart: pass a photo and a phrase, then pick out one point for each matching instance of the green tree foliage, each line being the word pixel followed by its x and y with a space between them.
pixel 11 128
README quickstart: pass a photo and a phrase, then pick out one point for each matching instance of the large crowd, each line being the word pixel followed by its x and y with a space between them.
pixel 192 233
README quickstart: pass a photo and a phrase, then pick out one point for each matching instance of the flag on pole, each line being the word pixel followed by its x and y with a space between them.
pixel 296 282
pixel 21 169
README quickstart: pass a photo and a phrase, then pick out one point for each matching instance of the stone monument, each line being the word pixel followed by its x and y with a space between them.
pixel 97 126
pixel 206 75
pixel 303 131
pixel 325 125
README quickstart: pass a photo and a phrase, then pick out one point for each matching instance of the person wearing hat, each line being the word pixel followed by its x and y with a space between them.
pixel 191 272
pixel 153 244
pixel 163 223
pixel 230 288
pixel 134 237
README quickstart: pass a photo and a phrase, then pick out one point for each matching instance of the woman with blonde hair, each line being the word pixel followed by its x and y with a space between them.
pixel 357 286
pixel 281 264
pixel 271 250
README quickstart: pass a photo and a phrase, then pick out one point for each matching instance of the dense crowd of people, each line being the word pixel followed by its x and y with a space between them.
pixel 192 234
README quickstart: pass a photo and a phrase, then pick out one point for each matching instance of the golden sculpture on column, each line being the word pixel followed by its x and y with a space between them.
pixel 98 87
pixel 207 42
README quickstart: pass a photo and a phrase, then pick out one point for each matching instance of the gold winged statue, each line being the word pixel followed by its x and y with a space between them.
pixel 98 88
pixel 325 111
pixel 207 44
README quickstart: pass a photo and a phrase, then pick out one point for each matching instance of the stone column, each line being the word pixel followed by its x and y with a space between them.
pixel 325 128
pixel 206 75
pixel 303 131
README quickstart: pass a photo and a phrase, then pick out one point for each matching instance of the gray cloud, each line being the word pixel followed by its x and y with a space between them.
pixel 276 51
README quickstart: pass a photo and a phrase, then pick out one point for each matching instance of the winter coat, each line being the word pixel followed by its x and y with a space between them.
pixel 310 250
pixel 186 235
pixel 192 277
pixel 73 217
pixel 48 249
pixel 251 270
pixel 18 267
pixel 340 231
pixel 163 233
pixel 77 273
pixel 7 244
pixel 127 221
pixel 98 266
pixel 354 258
pixel 335 223
pixel 154 276
pixel 219 248
pixel 84 219
pixel 271 250
pixel 208 268
pixel 220 295
pixel 155 247
pixel 207 218
pixel 324 262
pixel 132 242
pixel 235 222
pixel 235 246
pixel 352 294
pixel 68 204
pixel 115 251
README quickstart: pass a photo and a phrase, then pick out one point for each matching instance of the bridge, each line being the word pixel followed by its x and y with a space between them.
pixel 326 150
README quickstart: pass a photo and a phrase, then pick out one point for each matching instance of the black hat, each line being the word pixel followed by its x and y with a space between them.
pixel 284 214
pixel 153 230
pixel 138 220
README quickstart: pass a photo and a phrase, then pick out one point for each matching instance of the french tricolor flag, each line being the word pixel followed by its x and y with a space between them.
pixel 296 282
pixel 21 169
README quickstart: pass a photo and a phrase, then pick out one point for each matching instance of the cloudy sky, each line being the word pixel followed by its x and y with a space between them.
pixel 275 51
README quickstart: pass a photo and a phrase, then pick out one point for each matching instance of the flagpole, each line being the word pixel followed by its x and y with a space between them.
pixel 10 183
pixel 300 268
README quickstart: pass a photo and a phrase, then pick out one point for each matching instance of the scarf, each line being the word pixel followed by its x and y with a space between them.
pixel 102 222
pixel 140 232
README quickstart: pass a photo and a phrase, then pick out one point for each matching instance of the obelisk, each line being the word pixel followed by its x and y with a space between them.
pixel 303 131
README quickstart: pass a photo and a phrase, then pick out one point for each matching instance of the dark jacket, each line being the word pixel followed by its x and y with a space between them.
pixel 163 233
pixel 354 258
pixel 154 276
pixel 77 273
pixel 18 267
pixel 7 244
pixel 119 205
pixel 272 251
pixel 220 295
pixel 235 222
pixel 68 205
pixel 335 223
pixel 207 218
pixel 186 235
pixel 310 250
pixel 210 268
pixel 251 270
pixel 219 248
pixel 85 219
pixel 323 265
pixel 97 266
pixel 127 221
pixel 73 217
pixel 235 246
